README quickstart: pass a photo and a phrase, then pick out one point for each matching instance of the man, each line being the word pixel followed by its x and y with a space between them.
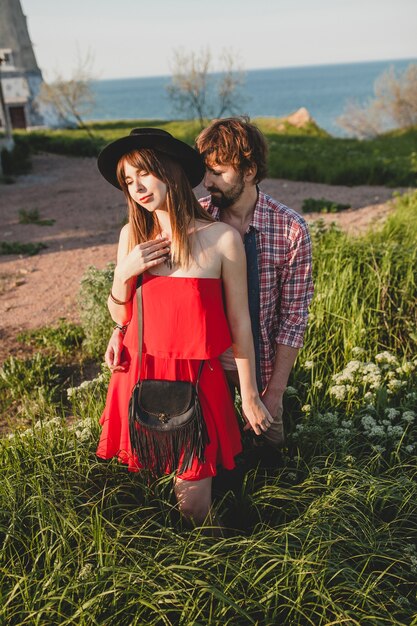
pixel 278 251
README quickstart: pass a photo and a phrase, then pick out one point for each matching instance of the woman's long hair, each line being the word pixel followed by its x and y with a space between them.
pixel 183 207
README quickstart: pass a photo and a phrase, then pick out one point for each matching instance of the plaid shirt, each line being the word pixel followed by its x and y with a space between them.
pixel 285 279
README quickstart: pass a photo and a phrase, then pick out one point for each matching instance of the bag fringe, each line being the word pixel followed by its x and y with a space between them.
pixel 166 451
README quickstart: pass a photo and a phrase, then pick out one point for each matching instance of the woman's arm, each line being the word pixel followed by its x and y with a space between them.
pixel 129 266
pixel 237 311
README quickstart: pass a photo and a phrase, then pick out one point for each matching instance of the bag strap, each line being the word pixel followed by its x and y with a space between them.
pixel 140 331
pixel 140 324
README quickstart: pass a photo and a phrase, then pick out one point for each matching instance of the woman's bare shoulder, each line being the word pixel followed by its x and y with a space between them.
pixel 124 233
pixel 123 247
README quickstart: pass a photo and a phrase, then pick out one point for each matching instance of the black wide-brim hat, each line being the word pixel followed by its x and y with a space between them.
pixel 156 139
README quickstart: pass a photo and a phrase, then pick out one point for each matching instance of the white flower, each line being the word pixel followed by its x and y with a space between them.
pixel 386 357
pixel 318 384
pixel 396 431
pixel 377 431
pixel 330 419
pixel 368 422
pixel 357 351
pixel 338 392
pixel 308 365
pixel 306 408
pixel 406 368
pixel 391 413
pixel 369 396
pixel 408 416
pixel 395 385
pixel 409 448
pixel 354 366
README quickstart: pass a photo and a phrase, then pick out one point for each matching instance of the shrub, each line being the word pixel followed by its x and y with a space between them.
pixel 32 217
pixel 95 317
pixel 64 339
pixel 17 160
pixel 313 205
pixel 29 386
pixel 15 247
pixel 370 409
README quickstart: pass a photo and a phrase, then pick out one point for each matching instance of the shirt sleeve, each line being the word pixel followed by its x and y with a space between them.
pixel 296 287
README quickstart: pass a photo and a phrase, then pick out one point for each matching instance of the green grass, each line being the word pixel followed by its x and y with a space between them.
pixel 64 339
pixel 308 154
pixel 321 205
pixel 386 160
pixel 85 543
pixel 15 247
pixel 328 537
pixel 32 217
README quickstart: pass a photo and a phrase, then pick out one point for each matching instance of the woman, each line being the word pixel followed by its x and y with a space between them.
pixel 189 264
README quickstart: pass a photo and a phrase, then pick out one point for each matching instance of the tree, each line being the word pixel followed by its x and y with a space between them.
pixel 72 98
pixel 394 105
pixel 198 92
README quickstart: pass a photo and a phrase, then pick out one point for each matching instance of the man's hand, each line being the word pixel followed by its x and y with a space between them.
pixel 273 401
pixel 256 415
pixel 114 353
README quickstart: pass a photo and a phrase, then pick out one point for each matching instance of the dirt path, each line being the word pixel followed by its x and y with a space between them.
pixel 38 290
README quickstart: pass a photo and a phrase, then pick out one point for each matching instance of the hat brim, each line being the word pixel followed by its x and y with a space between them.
pixel 190 160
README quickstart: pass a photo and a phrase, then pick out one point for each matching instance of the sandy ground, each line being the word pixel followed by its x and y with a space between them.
pixel 38 290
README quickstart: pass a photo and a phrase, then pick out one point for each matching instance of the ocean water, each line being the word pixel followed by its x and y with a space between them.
pixel 323 89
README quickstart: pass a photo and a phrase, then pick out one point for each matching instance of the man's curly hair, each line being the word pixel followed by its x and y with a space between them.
pixel 234 141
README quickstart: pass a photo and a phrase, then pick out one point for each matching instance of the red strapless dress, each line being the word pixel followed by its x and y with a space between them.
pixel 183 322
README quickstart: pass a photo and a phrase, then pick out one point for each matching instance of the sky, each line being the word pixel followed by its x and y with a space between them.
pixel 133 38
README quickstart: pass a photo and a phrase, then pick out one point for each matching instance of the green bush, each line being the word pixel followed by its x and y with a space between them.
pixel 29 387
pixel 15 247
pixel 307 154
pixel 62 340
pixel 17 160
pixel 365 303
pixel 314 205
pixel 32 217
pixel 95 318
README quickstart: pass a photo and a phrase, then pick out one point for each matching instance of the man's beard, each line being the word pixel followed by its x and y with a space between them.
pixel 225 199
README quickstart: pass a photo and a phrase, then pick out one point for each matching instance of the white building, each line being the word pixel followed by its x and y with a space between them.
pixel 20 75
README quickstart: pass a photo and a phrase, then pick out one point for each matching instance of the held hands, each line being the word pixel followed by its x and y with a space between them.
pixel 114 353
pixel 273 400
pixel 144 256
pixel 257 415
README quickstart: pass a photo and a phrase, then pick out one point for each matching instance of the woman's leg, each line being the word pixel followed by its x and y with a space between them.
pixel 194 499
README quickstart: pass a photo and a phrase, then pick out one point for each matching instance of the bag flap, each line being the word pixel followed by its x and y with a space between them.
pixel 165 396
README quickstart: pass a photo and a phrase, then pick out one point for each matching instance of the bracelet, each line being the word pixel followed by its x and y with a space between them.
pixel 121 327
pixel 115 300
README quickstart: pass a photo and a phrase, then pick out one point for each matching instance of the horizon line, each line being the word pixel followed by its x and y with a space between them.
pixel 280 67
